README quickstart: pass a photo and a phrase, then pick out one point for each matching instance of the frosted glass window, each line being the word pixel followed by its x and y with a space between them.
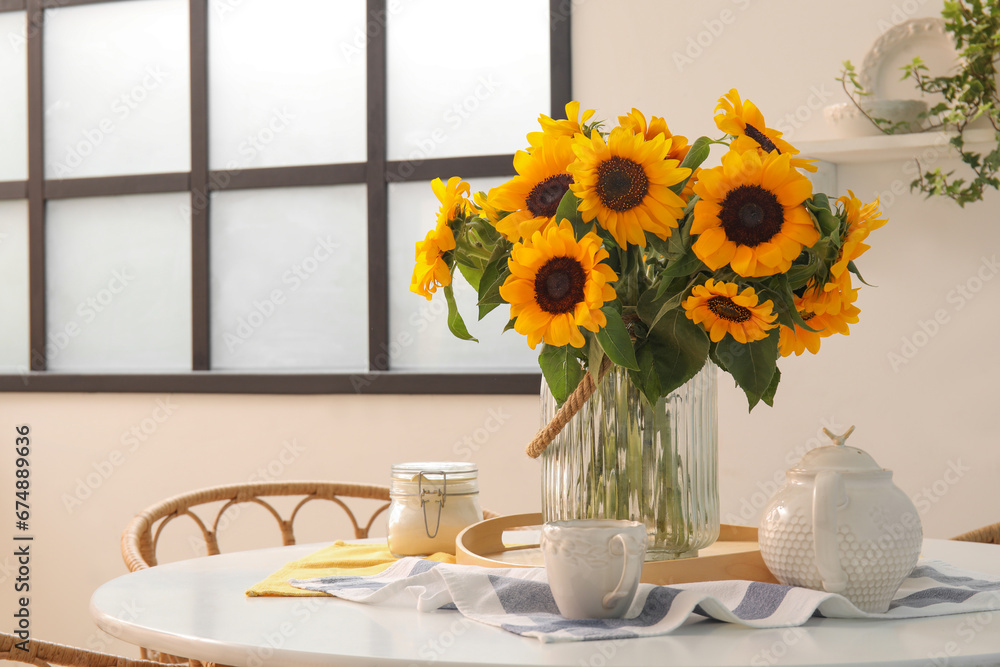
pixel 14 110
pixel 419 338
pixel 14 337
pixel 117 89
pixel 290 279
pixel 465 78
pixel 118 293
pixel 287 83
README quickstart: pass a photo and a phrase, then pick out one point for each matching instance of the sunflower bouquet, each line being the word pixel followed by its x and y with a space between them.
pixel 617 246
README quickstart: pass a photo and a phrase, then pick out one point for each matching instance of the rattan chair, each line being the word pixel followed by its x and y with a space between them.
pixel 141 536
pixel 986 534
pixel 49 654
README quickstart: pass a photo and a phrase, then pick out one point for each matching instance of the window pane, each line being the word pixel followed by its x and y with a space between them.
pixel 465 78
pixel 14 339
pixel 14 110
pixel 118 291
pixel 289 279
pixel 418 329
pixel 117 89
pixel 287 83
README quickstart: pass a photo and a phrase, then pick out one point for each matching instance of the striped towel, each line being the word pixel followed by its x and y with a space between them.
pixel 519 600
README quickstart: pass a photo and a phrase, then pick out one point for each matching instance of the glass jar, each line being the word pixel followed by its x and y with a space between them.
pixel 431 504
pixel 619 458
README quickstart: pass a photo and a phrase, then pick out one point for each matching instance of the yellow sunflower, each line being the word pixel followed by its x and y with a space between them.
pixel 744 121
pixel 558 284
pixel 751 216
pixel 431 271
pixel 828 312
pixel 453 199
pixel 861 220
pixel 568 127
pixel 484 202
pixel 533 196
pixel 625 184
pixel 679 146
pixel 722 308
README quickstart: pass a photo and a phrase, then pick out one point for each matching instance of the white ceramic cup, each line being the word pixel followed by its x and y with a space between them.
pixel 593 565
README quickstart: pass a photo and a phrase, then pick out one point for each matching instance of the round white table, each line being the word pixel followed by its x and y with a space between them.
pixel 196 608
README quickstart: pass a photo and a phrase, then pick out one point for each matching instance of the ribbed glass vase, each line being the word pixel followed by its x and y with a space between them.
pixel 620 459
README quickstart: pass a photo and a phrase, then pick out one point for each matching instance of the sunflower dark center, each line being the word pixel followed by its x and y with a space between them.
pixel 751 215
pixel 761 139
pixel 621 183
pixel 726 309
pixel 559 285
pixel 544 198
pixel 806 316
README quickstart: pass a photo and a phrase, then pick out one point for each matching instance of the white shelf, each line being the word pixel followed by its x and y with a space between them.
pixel 883 148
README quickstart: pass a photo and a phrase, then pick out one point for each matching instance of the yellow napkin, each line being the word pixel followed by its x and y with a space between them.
pixel 337 560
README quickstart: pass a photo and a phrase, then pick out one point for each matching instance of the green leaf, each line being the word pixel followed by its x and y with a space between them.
pixel 615 341
pixel 509 326
pixel 645 379
pixel 778 290
pixel 679 347
pixel 852 267
pixel 568 209
pixel 595 355
pixel 493 277
pixel 561 369
pixel 652 309
pixel 819 206
pixel 455 322
pixel 697 154
pixel 472 275
pixel 752 365
pixel 768 396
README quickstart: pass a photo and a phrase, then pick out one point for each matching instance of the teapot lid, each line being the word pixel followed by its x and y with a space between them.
pixel 837 456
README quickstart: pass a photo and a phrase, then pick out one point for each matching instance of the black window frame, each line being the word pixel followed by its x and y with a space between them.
pixel 376 173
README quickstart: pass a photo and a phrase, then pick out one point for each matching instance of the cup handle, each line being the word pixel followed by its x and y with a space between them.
pixel 826 498
pixel 615 596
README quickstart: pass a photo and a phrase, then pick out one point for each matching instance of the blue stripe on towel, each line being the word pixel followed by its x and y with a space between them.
pixel 524 597
pixel 930 596
pixel 760 601
pixel 968 582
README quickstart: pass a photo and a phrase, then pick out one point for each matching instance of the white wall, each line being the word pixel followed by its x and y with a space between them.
pixel 930 420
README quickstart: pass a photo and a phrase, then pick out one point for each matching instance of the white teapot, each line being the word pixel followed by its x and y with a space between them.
pixel 839 524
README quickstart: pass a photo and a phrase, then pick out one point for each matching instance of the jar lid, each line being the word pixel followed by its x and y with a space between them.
pixel 435 471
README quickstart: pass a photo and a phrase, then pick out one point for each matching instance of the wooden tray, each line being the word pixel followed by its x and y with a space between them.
pixel 736 554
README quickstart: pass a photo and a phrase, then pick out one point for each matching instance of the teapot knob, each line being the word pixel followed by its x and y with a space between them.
pixel 828 496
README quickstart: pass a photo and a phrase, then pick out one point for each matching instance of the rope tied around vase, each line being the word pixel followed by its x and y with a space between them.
pixel 584 390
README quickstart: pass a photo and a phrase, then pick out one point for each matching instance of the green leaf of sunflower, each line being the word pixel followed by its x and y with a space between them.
pixel 679 348
pixel 455 322
pixel 568 209
pixel 752 365
pixel 493 277
pixel 615 341
pixel 697 154
pixel 819 207
pixel 645 379
pixel 768 396
pixel 561 370
pixel 472 275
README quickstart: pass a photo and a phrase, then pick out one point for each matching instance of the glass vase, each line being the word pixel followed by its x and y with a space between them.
pixel 618 458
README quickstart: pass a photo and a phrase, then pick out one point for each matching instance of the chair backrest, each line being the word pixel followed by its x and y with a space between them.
pixel 987 534
pixel 140 538
pixel 49 654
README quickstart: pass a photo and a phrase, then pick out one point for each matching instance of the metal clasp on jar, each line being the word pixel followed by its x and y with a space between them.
pixel 429 495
